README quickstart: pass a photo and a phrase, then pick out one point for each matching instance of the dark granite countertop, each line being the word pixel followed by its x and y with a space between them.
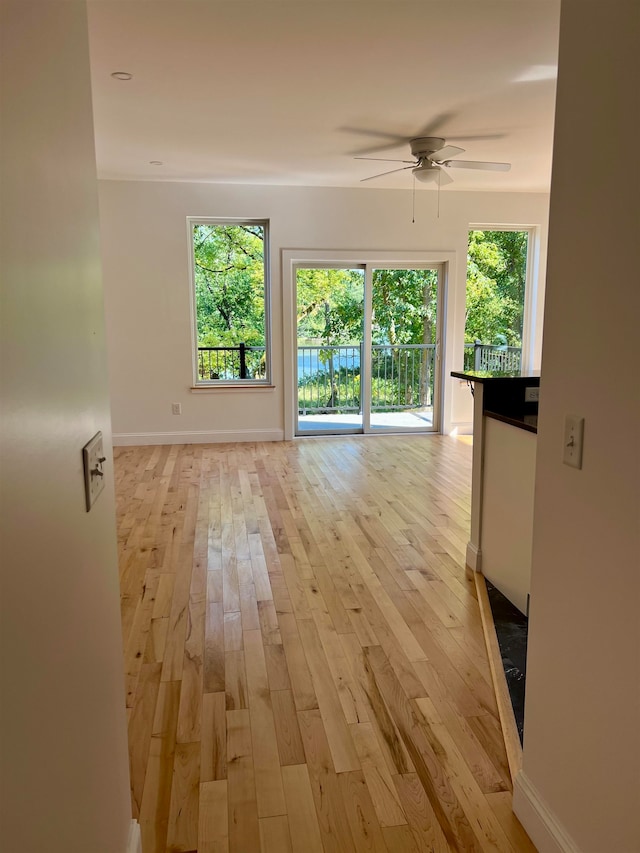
pixel 489 375
pixel 528 422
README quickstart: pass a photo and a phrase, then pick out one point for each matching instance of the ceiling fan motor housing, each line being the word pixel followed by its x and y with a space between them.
pixel 425 145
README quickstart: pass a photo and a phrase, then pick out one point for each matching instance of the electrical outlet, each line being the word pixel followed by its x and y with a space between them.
pixel 532 394
pixel 176 408
pixel 93 458
pixel 573 434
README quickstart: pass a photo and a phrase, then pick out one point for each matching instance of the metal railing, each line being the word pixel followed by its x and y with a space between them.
pixel 479 356
pixel 227 363
pixel 402 378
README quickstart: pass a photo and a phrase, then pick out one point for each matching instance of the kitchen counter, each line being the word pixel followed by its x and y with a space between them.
pixel 504 451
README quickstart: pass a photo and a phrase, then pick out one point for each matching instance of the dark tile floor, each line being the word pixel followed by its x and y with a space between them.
pixel 511 628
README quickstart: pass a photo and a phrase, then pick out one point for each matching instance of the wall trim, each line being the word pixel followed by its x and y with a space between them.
pixel 126 439
pixel 134 844
pixel 461 428
pixel 473 557
pixel 541 824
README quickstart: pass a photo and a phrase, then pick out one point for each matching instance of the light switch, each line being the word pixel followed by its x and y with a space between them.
pixel 573 433
pixel 93 459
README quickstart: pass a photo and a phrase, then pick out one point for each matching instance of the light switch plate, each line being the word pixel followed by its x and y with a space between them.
pixel 532 394
pixel 573 433
pixel 93 458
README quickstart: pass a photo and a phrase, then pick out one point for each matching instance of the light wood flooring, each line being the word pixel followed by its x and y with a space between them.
pixel 304 657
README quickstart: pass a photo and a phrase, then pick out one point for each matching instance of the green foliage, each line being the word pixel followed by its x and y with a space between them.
pixel 496 275
pixel 404 306
pixel 330 306
pixel 229 284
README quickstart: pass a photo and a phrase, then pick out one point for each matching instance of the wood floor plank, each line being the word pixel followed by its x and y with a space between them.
pixel 266 762
pixel 235 678
pixel 213 821
pixel 213 676
pixel 274 835
pixel 399 839
pixel 140 731
pixel 156 795
pixel 500 802
pixel 213 742
pixel 379 781
pixel 303 650
pixel 450 815
pixel 303 820
pixel 244 833
pixel 182 831
pixel 423 821
pixel 337 731
pixel 330 809
pixel 365 827
pixel 190 714
pixel 290 746
pixel 277 670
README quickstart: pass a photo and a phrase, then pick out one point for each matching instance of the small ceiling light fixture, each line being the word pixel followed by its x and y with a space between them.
pixel 156 163
pixel 121 75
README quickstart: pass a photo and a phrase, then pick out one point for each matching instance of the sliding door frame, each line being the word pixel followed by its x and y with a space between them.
pixel 291 259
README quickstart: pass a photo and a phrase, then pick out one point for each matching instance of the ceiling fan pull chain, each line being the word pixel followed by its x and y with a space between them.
pixel 413 219
pixel 439 176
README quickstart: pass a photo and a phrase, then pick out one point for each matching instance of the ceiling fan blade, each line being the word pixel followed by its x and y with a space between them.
pixel 385 160
pixel 474 137
pixel 388 146
pixel 432 127
pixel 443 178
pixel 446 153
pixel 371 177
pixel 476 164
pixel 365 131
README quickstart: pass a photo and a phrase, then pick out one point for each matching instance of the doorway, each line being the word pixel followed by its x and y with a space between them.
pixel 367 347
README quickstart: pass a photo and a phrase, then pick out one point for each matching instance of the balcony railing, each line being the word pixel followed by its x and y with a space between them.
pixel 478 356
pixel 329 378
pixel 402 376
pixel 228 363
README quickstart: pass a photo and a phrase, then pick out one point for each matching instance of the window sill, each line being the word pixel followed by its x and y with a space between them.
pixel 208 389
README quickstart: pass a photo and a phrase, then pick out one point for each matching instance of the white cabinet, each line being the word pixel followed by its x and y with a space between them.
pixel 507 508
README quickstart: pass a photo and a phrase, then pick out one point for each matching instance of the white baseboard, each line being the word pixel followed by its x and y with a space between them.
pixel 126 439
pixel 134 845
pixel 473 557
pixel 542 826
pixel 460 428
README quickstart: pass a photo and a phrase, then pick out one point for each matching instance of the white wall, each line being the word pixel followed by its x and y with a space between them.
pixel 65 783
pixel 581 767
pixel 145 257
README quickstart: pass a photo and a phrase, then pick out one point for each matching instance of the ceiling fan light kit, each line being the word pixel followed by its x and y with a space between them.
pixel 431 156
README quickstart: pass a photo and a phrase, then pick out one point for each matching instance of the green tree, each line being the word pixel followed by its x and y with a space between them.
pixel 229 284
pixel 496 277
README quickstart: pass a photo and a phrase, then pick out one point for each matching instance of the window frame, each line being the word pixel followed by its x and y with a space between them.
pixel 533 294
pixel 211 384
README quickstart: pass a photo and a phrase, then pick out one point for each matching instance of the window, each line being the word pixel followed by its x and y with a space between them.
pixel 495 307
pixel 230 299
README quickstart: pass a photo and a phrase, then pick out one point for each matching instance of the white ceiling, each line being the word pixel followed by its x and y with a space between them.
pixel 275 91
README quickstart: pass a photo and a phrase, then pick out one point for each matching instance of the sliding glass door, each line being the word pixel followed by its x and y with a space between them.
pixel 367 348
pixel 329 331
pixel 404 349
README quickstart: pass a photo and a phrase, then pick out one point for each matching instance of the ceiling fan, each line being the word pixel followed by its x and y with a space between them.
pixel 431 157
